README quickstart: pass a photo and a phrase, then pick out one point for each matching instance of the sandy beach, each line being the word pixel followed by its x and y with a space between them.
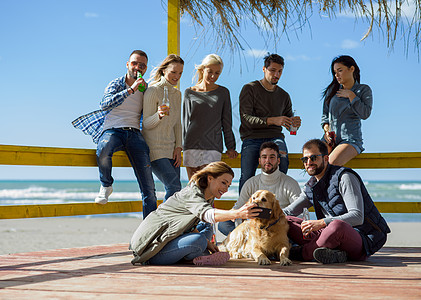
pixel 27 235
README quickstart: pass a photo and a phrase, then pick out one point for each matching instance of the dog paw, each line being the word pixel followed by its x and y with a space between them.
pixel 263 260
pixel 285 262
pixel 236 255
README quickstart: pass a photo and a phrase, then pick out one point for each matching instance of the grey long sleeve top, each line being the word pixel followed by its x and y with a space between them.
pixel 350 190
pixel 206 116
pixel 345 117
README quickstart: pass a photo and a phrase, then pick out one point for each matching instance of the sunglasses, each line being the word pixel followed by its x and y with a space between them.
pixel 142 66
pixel 311 157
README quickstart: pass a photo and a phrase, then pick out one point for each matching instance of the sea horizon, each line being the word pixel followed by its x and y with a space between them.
pixel 59 191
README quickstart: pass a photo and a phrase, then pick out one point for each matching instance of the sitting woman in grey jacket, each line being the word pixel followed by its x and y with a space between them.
pixel 169 235
pixel 346 103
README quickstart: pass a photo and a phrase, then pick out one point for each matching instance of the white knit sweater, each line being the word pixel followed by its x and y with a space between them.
pixel 285 188
pixel 162 135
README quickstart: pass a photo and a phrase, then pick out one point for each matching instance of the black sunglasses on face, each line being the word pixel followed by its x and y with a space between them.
pixel 311 157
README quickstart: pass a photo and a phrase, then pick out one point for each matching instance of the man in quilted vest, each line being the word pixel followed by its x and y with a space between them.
pixel 348 225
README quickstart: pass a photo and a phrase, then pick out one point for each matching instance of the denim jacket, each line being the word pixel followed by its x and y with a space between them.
pixel 345 117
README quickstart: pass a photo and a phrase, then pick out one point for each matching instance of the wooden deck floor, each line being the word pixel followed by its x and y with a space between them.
pixel 105 272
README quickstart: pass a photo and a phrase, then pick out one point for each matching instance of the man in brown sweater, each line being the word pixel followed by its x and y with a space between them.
pixel 264 109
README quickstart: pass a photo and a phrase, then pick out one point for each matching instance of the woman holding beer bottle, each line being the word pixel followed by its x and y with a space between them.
pixel 346 103
pixel 162 122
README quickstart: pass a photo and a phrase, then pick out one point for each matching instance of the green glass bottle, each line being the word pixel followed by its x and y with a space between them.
pixel 141 87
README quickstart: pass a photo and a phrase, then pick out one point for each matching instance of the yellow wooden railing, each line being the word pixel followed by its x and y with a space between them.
pixel 46 156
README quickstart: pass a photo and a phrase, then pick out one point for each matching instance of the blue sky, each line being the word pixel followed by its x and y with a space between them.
pixel 56 57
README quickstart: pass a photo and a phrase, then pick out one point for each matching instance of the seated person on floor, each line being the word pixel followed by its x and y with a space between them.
pixel 348 225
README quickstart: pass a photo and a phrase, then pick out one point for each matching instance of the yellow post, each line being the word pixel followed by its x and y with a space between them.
pixel 173 27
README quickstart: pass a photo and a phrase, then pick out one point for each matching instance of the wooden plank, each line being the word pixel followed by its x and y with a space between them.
pixel 173 31
pixel 68 209
pixel 78 209
pixel 49 156
pixel 73 209
pixel 106 272
pixel 386 160
pixel 399 207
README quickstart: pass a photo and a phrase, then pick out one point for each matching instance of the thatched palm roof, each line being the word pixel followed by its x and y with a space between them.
pixel 277 17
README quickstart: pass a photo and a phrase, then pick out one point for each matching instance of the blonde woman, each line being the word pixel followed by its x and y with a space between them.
pixel 169 235
pixel 162 123
pixel 206 117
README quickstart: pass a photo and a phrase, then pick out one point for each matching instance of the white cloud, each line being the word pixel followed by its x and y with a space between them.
pixel 407 9
pixel 91 15
pixel 349 44
pixel 256 52
pixel 263 25
pixel 347 13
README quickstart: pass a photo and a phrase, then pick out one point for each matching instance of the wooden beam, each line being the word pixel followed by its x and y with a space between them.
pixel 173 32
pixel 113 207
pixel 69 209
pixel 50 156
pixel 389 160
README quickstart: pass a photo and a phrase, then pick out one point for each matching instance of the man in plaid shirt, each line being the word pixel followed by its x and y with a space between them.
pixel 117 126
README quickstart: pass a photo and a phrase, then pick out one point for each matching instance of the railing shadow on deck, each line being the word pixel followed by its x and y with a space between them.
pixel 50 156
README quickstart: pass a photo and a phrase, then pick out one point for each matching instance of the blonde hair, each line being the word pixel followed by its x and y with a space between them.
pixel 158 72
pixel 214 169
pixel 210 59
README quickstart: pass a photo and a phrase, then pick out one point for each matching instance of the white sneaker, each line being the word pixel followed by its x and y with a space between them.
pixel 104 193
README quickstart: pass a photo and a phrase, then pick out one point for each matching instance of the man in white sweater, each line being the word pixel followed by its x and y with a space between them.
pixel 285 188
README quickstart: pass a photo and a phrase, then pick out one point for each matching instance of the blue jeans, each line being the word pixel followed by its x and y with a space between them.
pixel 169 175
pixel 187 246
pixel 206 229
pixel 226 227
pixel 250 152
pixel 133 143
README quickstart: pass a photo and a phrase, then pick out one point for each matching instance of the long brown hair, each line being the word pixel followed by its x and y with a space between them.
pixel 158 72
pixel 333 87
pixel 214 169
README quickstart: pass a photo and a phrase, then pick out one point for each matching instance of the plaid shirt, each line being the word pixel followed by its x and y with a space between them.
pixel 115 94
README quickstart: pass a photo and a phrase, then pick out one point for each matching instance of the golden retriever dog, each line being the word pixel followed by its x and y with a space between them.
pixel 261 238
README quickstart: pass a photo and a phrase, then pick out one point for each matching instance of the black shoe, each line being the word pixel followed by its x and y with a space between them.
pixel 296 253
pixel 329 256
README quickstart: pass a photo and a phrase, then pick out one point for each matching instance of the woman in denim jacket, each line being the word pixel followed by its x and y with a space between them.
pixel 346 102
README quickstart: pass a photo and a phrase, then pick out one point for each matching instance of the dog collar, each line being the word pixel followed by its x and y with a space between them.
pixel 262 227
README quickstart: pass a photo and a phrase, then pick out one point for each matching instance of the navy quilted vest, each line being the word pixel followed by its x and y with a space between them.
pixel 325 193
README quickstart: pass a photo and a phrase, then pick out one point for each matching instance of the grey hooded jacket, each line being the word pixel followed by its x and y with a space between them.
pixel 179 214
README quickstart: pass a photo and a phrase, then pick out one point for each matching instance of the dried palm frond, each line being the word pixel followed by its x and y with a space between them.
pixel 273 18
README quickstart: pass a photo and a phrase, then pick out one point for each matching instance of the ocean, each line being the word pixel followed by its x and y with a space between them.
pixel 16 192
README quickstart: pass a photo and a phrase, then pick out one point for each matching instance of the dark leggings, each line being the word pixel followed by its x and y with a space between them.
pixel 337 235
